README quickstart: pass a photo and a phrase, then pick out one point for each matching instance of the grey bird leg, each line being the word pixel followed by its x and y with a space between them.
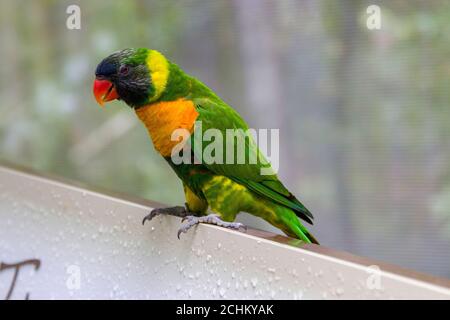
pixel 209 219
pixel 177 211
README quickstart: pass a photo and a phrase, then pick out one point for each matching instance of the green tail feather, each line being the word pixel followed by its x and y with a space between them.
pixel 304 235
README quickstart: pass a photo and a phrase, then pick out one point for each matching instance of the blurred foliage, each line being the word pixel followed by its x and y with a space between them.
pixel 364 115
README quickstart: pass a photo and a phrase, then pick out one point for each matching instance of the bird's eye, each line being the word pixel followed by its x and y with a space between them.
pixel 124 70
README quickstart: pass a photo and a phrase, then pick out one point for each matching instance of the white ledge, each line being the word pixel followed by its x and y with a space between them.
pixel 90 244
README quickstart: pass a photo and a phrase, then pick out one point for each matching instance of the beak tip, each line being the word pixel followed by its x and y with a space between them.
pixel 100 101
pixel 104 91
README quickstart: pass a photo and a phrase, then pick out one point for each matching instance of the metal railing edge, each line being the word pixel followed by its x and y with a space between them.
pixel 321 250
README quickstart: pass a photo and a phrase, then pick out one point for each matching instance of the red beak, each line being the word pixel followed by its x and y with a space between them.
pixel 104 91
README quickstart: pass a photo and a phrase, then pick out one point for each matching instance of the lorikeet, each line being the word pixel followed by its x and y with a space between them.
pixel 165 98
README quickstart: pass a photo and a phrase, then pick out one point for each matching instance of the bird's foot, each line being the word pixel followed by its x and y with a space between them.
pixel 173 211
pixel 209 219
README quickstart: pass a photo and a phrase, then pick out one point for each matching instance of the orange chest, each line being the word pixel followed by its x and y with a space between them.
pixel 163 118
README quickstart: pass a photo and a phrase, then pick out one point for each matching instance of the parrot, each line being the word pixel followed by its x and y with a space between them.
pixel 165 99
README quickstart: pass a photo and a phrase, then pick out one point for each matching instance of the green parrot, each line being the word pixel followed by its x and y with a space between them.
pixel 166 99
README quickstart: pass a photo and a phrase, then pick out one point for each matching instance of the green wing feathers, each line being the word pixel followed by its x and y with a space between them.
pixel 287 200
pixel 215 114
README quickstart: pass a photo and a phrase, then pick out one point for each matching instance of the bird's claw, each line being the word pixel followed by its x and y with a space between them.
pixel 150 216
pixel 209 219
pixel 173 211
pixel 180 231
pixel 241 225
pixel 192 220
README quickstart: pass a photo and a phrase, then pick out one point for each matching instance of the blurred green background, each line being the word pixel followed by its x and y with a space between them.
pixel 363 114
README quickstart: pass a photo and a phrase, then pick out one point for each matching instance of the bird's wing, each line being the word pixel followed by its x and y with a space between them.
pixel 215 114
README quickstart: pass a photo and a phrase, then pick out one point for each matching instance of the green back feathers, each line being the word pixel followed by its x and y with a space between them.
pixel 215 114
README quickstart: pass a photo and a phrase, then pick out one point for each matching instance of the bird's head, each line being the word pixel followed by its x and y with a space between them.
pixel 136 76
